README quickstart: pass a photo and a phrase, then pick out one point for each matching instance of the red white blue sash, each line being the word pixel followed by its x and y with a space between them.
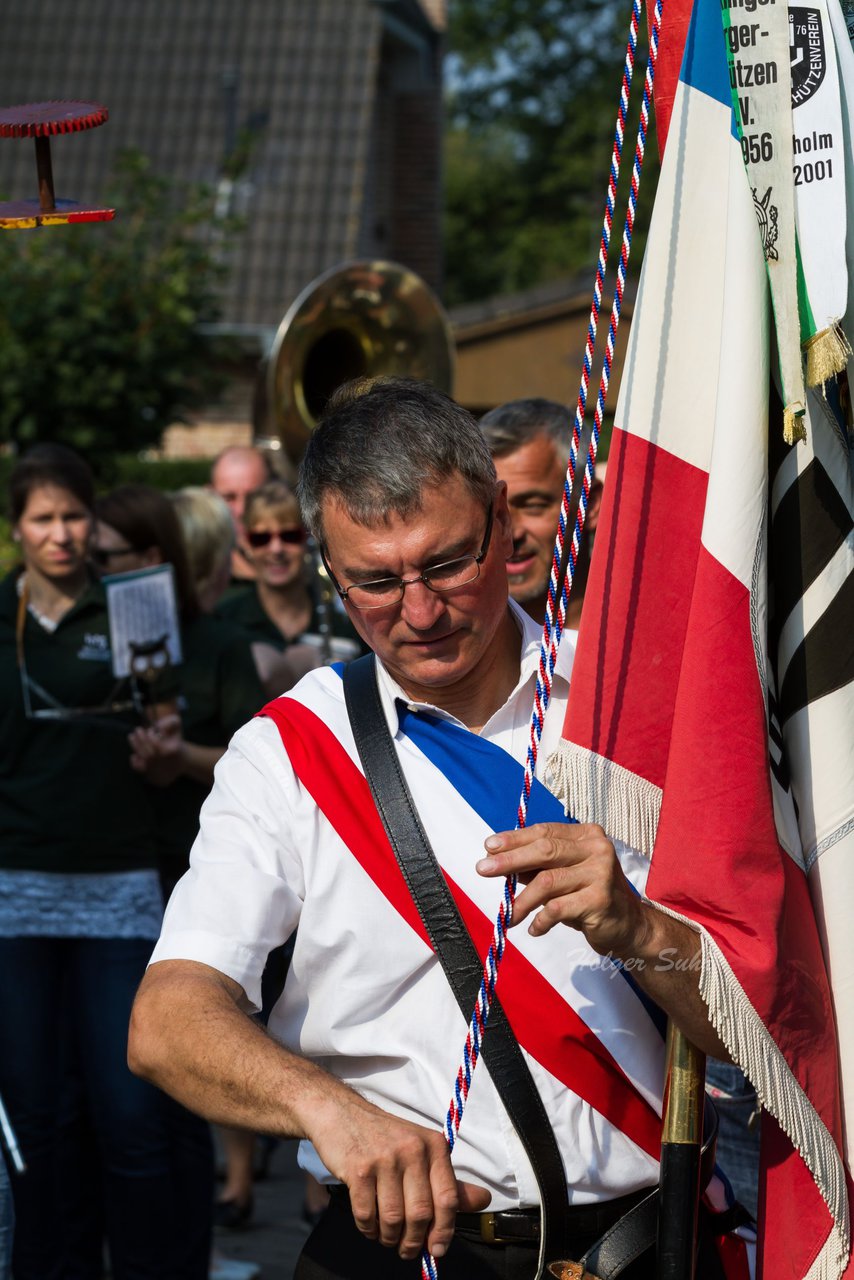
pixel 570 1009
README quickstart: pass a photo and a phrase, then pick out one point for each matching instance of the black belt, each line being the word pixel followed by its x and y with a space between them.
pixel 622 1229
pixel 522 1226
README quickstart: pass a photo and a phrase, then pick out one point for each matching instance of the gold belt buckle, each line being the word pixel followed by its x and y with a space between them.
pixel 487 1229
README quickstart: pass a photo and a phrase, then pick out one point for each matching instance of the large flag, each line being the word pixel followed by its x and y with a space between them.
pixel 711 713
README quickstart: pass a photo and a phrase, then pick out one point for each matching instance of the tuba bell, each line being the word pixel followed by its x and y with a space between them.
pixel 359 319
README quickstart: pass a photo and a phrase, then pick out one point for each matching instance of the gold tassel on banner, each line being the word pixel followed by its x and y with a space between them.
pixel 793 423
pixel 827 354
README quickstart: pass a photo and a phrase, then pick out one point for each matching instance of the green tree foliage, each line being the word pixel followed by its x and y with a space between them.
pixel 99 324
pixel 532 101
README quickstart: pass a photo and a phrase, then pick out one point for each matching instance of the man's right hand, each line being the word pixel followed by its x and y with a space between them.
pixel 190 1036
pixel 402 1187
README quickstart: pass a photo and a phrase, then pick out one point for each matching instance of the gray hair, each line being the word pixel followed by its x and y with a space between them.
pixel 380 444
pixel 517 423
pixel 208 531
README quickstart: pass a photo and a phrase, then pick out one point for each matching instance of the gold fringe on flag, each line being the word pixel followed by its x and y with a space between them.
pixel 827 354
pixel 793 423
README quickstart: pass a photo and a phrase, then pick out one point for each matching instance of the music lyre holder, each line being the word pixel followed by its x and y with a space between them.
pixel 42 121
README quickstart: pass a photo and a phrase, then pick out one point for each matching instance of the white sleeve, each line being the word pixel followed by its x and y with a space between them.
pixel 243 894
pixel 635 864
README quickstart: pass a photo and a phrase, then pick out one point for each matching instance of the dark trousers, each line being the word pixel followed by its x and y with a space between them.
pixel 337 1250
pixel 52 990
pixel 187 1256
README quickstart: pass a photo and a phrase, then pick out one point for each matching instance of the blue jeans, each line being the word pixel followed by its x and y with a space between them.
pixel 738 1132
pixel 82 988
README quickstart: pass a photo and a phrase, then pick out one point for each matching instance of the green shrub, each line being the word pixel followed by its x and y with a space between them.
pixel 102 326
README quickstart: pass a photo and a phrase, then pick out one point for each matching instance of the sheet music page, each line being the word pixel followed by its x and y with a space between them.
pixel 142 609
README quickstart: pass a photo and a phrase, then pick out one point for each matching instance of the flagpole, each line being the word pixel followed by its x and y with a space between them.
pixel 681 1144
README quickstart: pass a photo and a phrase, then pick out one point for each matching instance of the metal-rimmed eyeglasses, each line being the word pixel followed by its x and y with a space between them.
pixel 447 576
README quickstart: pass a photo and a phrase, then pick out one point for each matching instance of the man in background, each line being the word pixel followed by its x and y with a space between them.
pixel 235 473
pixel 529 442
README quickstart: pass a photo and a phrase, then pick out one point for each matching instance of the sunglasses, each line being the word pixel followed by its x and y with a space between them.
pixel 263 537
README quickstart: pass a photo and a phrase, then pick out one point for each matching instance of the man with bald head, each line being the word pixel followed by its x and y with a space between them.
pixel 529 442
pixel 235 473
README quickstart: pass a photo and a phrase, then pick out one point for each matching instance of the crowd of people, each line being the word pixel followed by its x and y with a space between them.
pixel 101 787
pixel 101 783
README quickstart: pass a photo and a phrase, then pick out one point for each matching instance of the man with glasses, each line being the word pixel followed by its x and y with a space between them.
pixel 400 491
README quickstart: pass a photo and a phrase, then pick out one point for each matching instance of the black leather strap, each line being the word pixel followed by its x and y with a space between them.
pixel 453 945
pixel 636 1230
pixel 627 1240
pixel 586 1221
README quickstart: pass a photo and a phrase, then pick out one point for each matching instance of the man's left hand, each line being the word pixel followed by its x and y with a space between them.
pixel 571 875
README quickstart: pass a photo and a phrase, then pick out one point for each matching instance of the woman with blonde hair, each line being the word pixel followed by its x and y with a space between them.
pixel 208 531
pixel 278 608
pixel 290 633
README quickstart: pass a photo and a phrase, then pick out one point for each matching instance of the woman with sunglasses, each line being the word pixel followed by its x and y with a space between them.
pixel 80 901
pixel 278 608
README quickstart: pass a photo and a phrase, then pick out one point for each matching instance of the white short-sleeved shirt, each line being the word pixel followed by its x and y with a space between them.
pixel 365 997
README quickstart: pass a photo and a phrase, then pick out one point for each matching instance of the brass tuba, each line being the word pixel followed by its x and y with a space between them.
pixel 359 319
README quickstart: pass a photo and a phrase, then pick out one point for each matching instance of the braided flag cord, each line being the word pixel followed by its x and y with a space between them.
pixel 558 595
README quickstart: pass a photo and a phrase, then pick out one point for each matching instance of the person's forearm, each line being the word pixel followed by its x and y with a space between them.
pixel 665 963
pixel 190 1038
pixel 198 762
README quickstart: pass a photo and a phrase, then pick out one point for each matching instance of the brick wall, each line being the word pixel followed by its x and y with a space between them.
pixel 203 439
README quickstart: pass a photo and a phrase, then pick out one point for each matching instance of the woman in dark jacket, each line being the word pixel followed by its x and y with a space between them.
pixel 80 900
pixel 219 688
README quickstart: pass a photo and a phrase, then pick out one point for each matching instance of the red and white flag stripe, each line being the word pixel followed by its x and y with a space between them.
pixel 667 729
